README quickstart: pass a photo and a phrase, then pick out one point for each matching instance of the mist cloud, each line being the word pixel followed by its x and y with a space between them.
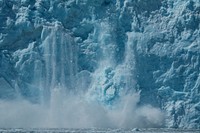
pixel 75 112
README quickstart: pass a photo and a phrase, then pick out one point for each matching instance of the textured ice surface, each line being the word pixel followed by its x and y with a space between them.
pixel 103 50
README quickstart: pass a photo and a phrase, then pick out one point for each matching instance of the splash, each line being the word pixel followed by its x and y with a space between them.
pixel 74 112
pixel 73 98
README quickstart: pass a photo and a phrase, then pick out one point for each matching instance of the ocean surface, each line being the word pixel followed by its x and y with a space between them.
pixel 94 130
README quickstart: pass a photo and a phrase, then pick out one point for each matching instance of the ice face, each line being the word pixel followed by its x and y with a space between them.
pixel 103 51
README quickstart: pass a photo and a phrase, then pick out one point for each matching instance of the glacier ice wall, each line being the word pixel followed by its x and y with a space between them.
pixel 103 50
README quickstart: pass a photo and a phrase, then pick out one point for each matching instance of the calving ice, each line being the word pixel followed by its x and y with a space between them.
pixel 99 63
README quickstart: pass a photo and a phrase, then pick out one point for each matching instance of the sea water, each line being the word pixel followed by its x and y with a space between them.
pixel 95 130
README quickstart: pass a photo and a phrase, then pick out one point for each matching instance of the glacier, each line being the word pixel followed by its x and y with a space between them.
pixel 138 60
